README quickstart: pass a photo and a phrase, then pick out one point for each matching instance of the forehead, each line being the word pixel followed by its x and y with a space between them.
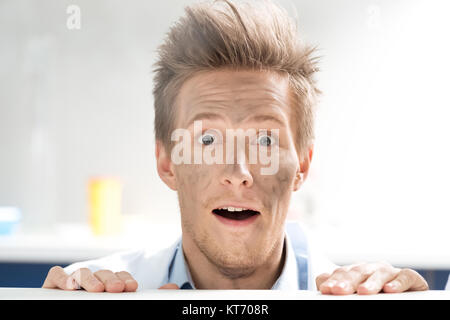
pixel 235 94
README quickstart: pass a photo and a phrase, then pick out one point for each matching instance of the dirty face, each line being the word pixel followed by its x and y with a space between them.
pixel 236 242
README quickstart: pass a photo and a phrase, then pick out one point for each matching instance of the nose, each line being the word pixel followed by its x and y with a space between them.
pixel 237 175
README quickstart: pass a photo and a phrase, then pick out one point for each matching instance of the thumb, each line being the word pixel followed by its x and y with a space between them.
pixel 170 286
pixel 321 279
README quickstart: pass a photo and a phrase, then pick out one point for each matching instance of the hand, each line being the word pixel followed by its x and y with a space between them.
pixel 170 286
pixel 100 281
pixel 370 278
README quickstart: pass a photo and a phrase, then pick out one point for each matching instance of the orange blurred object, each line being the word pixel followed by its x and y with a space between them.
pixel 105 199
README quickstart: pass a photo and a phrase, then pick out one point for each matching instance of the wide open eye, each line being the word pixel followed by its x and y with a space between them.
pixel 265 140
pixel 209 137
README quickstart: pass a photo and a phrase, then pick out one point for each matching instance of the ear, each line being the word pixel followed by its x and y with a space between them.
pixel 302 171
pixel 165 166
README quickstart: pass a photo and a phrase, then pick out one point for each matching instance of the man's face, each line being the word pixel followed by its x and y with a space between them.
pixel 236 100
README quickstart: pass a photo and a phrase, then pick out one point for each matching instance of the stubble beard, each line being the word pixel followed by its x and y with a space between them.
pixel 237 260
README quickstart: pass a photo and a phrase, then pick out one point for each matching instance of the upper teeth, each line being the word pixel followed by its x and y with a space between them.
pixel 232 208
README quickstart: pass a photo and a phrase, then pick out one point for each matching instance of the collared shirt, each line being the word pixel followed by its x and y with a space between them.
pixel 154 269
pixel 288 280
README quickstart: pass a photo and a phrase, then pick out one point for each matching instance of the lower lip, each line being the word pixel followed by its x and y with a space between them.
pixel 237 223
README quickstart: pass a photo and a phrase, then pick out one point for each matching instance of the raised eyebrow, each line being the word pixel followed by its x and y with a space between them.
pixel 266 117
pixel 216 116
pixel 205 115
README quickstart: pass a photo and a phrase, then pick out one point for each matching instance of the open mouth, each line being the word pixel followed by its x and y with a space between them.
pixel 233 213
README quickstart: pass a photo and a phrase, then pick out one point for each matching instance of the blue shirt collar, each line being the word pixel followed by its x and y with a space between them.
pixel 288 279
pixel 179 271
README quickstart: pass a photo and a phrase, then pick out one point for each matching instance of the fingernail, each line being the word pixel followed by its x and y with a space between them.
pixel 129 282
pixel 391 285
pixel 369 286
pixel 342 285
pixel 330 283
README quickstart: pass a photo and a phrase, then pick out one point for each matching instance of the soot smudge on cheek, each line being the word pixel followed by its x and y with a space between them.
pixel 194 175
pixel 277 188
pixel 193 181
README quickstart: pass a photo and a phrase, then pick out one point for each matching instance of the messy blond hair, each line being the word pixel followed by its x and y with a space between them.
pixel 257 35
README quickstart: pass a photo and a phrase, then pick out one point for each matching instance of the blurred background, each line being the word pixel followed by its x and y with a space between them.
pixel 76 104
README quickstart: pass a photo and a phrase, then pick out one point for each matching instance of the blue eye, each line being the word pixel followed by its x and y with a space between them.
pixel 265 141
pixel 207 139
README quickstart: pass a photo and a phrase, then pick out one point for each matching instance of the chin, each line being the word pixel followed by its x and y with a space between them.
pixel 235 257
pixel 234 267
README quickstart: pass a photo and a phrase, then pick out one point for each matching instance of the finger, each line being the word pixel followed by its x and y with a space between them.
pixel 321 279
pixel 111 282
pixel 326 286
pixel 345 281
pixel 406 280
pixel 87 280
pixel 58 278
pixel 374 284
pixel 131 285
pixel 170 286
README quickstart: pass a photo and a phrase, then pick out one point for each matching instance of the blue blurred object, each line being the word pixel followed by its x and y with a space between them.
pixel 9 219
